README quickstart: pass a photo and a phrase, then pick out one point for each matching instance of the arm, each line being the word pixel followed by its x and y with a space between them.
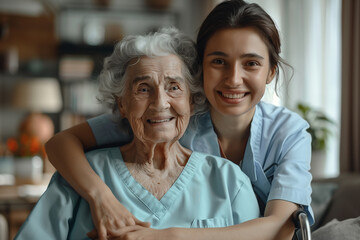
pixel 66 152
pixel 276 224
pixel 69 159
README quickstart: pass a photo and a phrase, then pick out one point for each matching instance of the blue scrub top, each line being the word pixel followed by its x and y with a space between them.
pixel 210 192
pixel 277 157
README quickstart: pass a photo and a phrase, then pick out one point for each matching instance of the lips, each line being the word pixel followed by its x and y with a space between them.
pixel 160 120
pixel 233 95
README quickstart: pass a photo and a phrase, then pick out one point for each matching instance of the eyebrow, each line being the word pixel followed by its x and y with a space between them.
pixel 245 55
pixel 146 77
pixel 140 78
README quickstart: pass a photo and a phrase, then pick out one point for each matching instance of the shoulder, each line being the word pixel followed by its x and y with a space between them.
pixel 221 167
pixel 100 152
pixel 99 120
pixel 279 120
pixel 280 114
pixel 98 158
pixel 108 130
pixel 200 121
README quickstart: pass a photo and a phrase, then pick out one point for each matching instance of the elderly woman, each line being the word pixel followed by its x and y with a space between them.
pixel 150 81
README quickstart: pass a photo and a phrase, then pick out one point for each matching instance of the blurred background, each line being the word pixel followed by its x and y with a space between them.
pixel 51 52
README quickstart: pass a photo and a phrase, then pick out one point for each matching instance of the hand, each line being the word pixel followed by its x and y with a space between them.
pixel 109 215
pixel 138 232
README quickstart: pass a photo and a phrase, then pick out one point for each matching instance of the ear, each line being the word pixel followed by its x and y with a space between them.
pixel 121 107
pixel 271 75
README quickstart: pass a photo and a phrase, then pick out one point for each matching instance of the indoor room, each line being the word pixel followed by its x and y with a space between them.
pixel 52 53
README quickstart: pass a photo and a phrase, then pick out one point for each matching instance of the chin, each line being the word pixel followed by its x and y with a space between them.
pixel 161 138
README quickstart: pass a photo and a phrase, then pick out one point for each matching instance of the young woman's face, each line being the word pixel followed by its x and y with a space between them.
pixel 156 100
pixel 236 70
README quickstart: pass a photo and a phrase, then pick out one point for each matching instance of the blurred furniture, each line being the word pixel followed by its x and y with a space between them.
pixel 38 95
pixel 3 228
pixel 16 202
pixel 336 198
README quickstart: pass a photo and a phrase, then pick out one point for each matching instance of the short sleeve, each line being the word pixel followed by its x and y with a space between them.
pixel 108 132
pixel 292 179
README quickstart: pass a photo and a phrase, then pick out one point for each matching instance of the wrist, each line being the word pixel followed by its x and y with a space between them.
pixel 96 191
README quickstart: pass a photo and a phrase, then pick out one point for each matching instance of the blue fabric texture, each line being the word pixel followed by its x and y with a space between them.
pixel 277 157
pixel 210 192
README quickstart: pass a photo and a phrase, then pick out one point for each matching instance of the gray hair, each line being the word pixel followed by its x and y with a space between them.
pixel 161 43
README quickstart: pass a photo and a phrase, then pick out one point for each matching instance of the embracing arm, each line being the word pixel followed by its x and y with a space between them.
pixel 66 152
pixel 276 224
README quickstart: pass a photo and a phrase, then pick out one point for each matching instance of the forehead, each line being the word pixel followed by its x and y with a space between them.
pixel 233 40
pixel 161 65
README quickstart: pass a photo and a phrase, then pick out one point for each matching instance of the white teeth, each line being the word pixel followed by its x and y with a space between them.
pixel 228 95
pixel 159 121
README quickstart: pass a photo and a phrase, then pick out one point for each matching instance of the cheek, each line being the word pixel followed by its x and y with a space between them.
pixel 183 109
pixel 137 125
pixel 211 78
pixel 137 106
pixel 182 123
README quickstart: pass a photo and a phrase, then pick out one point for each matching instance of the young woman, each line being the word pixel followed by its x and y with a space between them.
pixel 238 46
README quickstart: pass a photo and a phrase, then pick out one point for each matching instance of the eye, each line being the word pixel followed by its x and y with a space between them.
pixel 143 88
pixel 174 87
pixel 218 61
pixel 252 63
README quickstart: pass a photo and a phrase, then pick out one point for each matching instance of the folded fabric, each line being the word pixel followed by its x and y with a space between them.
pixel 348 229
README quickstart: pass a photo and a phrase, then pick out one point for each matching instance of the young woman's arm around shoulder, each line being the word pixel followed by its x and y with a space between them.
pixel 275 225
pixel 66 152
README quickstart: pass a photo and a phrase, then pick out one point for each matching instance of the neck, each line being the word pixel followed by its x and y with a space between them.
pixel 231 127
pixel 233 133
pixel 155 166
pixel 159 156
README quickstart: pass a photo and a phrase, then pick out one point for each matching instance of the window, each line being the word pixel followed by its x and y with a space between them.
pixel 311 44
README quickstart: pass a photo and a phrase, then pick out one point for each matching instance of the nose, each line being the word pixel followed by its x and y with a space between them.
pixel 234 76
pixel 160 100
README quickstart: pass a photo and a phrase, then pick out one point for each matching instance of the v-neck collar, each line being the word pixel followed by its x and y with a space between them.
pixel 158 207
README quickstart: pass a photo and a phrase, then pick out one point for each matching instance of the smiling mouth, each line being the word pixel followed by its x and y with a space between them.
pixel 159 120
pixel 233 95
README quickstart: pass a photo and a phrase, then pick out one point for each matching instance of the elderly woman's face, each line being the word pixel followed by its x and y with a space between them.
pixel 156 100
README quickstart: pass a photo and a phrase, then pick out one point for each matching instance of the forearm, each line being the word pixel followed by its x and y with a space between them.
pixel 277 224
pixel 66 153
pixel 265 228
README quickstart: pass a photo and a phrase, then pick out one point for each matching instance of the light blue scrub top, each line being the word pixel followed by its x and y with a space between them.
pixel 210 192
pixel 277 156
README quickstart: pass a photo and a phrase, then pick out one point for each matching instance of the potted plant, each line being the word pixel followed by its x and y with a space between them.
pixel 321 127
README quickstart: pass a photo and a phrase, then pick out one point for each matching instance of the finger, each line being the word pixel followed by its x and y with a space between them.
pixel 93 234
pixel 144 224
pixel 141 223
pixel 102 234
pixel 130 221
pixel 123 230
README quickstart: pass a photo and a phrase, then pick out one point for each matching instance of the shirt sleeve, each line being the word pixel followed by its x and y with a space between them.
pixel 51 217
pixel 108 132
pixel 292 179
